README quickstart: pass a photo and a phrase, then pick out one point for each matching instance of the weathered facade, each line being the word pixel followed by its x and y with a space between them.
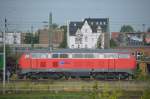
pixel 57 37
pixel 131 39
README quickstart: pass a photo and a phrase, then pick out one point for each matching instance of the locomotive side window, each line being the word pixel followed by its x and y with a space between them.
pixel 101 55
pixel 43 55
pixel 35 55
pixel 63 55
pixel 55 56
pixel 89 56
pixel 77 56
pixel 39 55
pixel 123 55
pixel 110 55
pixel 49 55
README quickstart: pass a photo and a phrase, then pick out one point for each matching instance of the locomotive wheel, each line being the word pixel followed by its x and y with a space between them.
pixel 67 75
pixel 56 76
pixel 99 76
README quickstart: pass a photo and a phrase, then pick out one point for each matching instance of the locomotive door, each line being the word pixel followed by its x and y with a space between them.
pixel 111 65
pixel 33 63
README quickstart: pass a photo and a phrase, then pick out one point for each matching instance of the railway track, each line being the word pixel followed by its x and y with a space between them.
pixel 76 85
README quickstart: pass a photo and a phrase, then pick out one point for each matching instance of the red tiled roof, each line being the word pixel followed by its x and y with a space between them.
pixel 114 35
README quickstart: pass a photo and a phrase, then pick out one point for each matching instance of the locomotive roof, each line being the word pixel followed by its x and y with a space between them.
pixel 88 51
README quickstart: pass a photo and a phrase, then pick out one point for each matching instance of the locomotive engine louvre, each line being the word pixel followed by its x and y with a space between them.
pixel 91 63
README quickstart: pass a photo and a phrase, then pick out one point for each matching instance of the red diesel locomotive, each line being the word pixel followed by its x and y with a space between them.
pixel 93 63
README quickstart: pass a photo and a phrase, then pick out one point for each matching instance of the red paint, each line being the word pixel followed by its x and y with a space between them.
pixel 69 63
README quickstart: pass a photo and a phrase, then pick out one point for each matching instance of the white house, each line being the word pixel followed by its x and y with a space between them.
pixel 12 38
pixel 86 34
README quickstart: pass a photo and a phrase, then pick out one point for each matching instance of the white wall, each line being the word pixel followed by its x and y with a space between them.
pixel 89 39
pixel 13 38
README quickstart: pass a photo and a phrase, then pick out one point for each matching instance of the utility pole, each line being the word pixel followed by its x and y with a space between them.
pixel 32 45
pixel 4 57
pixel 50 32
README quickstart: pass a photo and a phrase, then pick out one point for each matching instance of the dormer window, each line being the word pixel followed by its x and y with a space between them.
pixel 100 23
pixel 96 23
pixel 85 30
pixel 72 46
pixel 104 23
pixel 86 39
pixel 75 24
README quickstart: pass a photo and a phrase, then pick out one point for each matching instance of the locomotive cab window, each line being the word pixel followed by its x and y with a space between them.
pixel 123 55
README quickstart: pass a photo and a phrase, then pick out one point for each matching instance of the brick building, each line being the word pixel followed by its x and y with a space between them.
pixel 57 37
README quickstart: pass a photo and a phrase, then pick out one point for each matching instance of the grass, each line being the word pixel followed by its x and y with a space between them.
pixel 73 85
pixel 60 95
pixel 72 89
pixel 65 95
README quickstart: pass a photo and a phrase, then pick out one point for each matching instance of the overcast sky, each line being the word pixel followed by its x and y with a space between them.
pixel 22 14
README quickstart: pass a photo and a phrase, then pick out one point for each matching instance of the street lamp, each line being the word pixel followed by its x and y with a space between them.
pixel 50 32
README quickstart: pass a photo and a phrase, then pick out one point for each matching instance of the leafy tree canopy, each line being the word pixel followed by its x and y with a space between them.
pixel 126 28
pixel 54 25
pixel 148 30
pixel 64 43
pixel 30 38
pixel 113 44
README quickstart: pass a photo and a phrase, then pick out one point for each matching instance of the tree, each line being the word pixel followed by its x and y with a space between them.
pixel 31 39
pixel 99 42
pixel 64 42
pixel 113 44
pixel 54 25
pixel 28 38
pixel 148 30
pixel 36 39
pixel 126 28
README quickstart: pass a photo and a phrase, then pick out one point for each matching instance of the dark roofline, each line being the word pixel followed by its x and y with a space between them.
pixel 73 28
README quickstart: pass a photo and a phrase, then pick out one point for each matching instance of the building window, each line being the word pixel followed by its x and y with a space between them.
pixel 86 46
pixel 85 30
pixel 92 39
pixel 96 23
pixel 72 46
pixel 104 23
pixel 86 39
pixel 78 40
pixel 78 46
